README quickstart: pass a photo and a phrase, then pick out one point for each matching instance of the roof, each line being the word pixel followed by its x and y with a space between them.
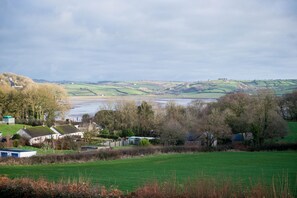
pixel 38 131
pixel 66 129
pixel 7 116
pixel 15 150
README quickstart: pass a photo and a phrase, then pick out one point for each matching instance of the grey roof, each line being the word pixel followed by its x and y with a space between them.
pixel 38 131
pixel 66 129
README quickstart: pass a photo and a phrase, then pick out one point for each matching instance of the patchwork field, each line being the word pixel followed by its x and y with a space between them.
pixel 199 89
pixel 127 174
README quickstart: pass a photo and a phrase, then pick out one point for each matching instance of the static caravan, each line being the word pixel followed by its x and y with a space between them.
pixel 16 153
pixel 8 120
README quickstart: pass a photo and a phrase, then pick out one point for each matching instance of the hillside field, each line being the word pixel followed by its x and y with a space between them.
pixel 128 174
pixel 199 89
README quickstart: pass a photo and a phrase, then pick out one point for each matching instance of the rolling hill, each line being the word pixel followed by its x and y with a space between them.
pixel 198 89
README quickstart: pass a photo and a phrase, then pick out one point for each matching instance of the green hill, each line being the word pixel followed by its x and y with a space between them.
pixel 200 89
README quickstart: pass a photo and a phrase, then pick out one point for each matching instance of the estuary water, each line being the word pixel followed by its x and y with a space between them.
pixel 92 105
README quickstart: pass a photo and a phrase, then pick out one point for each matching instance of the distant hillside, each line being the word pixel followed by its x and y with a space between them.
pixel 201 89
pixel 10 80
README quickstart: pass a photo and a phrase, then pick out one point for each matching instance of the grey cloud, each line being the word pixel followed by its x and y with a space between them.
pixel 158 40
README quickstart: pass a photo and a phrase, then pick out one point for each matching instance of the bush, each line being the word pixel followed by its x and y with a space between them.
pixel 16 137
pixel 67 143
pixel 208 188
pixel 15 143
pixel 25 187
pixel 127 133
pixel 144 142
pixel 155 141
pixel 114 137
pixel 104 132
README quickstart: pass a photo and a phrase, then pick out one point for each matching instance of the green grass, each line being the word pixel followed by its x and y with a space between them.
pixel 127 174
pixel 292 135
pixel 42 151
pixel 10 129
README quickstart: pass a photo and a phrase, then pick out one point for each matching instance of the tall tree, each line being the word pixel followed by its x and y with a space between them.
pixel 145 118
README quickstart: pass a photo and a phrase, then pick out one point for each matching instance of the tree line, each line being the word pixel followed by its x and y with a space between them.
pixel 262 114
pixel 37 103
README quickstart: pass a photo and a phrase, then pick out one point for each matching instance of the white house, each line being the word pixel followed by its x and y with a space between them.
pixel 136 139
pixel 67 130
pixel 8 120
pixel 37 135
pixel 16 153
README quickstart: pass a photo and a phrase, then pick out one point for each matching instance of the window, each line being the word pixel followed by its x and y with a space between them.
pixel 14 155
pixel 4 154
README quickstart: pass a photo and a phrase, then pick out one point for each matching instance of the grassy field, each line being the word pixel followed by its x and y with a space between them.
pixel 199 89
pixel 127 174
pixel 292 135
pixel 10 129
pixel 42 151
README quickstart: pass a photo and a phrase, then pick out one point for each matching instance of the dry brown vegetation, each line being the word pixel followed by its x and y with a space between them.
pixel 25 187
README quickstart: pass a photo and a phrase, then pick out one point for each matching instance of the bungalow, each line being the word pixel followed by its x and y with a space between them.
pixel 37 135
pixel 136 139
pixel 67 130
pixel 16 153
pixel 8 120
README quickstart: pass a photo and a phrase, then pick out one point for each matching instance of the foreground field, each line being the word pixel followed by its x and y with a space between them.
pixel 127 174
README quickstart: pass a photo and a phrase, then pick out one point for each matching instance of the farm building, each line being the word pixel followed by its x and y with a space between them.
pixel 16 153
pixel 67 130
pixel 8 120
pixel 37 135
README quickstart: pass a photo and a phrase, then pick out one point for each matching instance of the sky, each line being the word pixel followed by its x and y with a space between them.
pixel 168 40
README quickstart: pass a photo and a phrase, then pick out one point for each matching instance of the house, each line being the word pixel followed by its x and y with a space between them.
pixel 37 135
pixel 8 120
pixel 136 139
pixel 16 153
pixel 67 130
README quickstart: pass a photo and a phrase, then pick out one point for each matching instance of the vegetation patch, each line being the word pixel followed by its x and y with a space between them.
pixel 10 130
pixel 192 188
pixel 130 173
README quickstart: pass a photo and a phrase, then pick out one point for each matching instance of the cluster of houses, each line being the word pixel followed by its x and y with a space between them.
pixel 39 134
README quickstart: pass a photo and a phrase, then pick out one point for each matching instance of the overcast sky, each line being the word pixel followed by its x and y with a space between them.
pixel 183 40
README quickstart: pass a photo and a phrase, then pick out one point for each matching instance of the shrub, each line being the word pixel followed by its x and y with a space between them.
pixel 127 133
pixel 144 142
pixel 104 132
pixel 207 188
pixel 16 137
pixel 67 143
pixel 15 143
pixel 114 137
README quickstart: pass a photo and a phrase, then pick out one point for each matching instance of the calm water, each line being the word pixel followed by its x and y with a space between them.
pixel 80 107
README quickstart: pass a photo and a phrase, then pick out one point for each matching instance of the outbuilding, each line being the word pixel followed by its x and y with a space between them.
pixel 16 153
pixel 8 120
